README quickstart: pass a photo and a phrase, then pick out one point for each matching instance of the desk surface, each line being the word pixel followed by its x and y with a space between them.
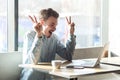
pixel 73 73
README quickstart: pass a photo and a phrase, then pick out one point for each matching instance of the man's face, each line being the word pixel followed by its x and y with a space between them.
pixel 49 26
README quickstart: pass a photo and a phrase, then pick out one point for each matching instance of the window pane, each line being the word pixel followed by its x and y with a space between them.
pixel 3 25
pixel 86 17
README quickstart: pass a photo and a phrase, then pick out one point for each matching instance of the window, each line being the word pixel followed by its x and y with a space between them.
pixel 87 17
pixel 3 25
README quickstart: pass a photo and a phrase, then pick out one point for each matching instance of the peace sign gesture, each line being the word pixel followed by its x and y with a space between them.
pixel 37 26
pixel 71 24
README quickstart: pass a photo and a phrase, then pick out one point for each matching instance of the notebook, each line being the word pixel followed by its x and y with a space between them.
pixel 89 62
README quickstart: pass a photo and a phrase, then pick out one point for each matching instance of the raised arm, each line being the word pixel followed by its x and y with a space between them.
pixel 32 43
pixel 67 51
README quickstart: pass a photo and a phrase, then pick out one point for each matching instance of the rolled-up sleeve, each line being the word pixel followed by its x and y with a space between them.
pixel 31 49
pixel 66 51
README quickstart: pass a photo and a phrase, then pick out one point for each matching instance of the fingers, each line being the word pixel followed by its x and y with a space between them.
pixel 68 20
pixel 72 29
pixel 33 19
pixel 73 24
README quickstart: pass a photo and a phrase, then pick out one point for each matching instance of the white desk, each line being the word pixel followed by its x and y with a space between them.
pixel 72 74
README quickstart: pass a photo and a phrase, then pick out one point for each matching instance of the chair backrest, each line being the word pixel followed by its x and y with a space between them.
pixel 84 53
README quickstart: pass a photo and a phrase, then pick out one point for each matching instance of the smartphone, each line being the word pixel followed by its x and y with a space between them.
pixel 75 67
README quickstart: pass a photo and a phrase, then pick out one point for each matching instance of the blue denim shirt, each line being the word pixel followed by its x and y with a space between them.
pixel 44 49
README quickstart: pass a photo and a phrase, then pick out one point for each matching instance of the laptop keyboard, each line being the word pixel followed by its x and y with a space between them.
pixel 88 63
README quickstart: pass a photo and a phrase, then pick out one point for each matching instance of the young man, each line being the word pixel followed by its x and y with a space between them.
pixel 41 44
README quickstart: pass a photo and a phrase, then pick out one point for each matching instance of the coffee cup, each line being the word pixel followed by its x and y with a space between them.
pixel 56 64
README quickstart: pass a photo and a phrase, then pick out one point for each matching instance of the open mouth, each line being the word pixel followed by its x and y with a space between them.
pixel 50 33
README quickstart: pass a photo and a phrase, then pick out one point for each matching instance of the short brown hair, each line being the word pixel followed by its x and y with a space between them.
pixel 46 13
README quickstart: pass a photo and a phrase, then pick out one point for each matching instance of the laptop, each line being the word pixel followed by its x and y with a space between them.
pixel 88 62
pixel 111 61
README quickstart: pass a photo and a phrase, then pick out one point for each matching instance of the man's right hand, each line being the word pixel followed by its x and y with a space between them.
pixel 37 26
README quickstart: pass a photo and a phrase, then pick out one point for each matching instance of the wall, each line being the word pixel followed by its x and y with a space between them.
pixel 9 69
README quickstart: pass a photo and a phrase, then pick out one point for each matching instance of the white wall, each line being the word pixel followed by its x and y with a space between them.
pixel 9 62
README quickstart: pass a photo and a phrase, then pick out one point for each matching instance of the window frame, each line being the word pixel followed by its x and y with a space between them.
pixel 12 24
